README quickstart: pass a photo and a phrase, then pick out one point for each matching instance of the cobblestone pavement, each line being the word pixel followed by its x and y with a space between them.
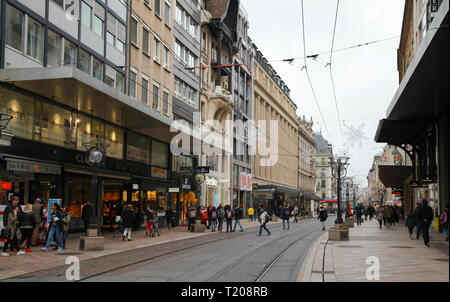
pixel 400 258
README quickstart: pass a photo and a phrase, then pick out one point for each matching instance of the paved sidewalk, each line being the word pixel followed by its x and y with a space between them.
pixel 38 260
pixel 401 259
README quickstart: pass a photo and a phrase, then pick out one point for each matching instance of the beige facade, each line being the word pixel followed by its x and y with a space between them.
pixel 306 149
pixel 272 103
pixel 150 35
pixel 325 182
pixel 373 181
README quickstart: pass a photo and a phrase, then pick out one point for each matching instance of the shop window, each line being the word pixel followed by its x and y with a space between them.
pixel 114 137
pixel 21 108
pixel 138 148
pixel 160 154
pixel 58 126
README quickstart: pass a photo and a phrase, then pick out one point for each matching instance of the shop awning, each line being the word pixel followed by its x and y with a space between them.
pixel 394 176
pixel 77 89
pixel 424 90
pixel 21 164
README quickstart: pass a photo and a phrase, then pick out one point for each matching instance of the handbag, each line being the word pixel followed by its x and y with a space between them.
pixel 5 233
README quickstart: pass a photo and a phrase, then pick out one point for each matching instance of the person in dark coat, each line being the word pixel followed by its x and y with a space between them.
pixel 425 218
pixel 285 214
pixel 359 213
pixel 410 223
pixel 169 217
pixel 27 222
pixel 416 216
pixel 128 219
pixel 86 214
pixel 323 215
pixel 237 218
pixel 229 217
pixel 56 228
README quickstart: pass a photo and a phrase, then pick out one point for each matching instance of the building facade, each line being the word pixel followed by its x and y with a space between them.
pixel 275 183
pixel 325 182
pixel 242 113
pixel 306 163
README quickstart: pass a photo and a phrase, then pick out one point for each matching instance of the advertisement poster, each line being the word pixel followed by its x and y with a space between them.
pixel 51 201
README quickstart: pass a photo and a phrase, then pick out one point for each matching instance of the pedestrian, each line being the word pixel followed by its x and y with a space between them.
pixel 380 215
pixel 220 217
pixel 410 223
pixel 66 222
pixel 27 223
pixel 229 217
pixel 128 220
pixel 10 208
pixel 323 215
pixel 371 212
pixel 444 222
pixel 36 209
pixel 251 212
pixel 359 213
pixel 55 228
pixel 213 218
pixel 86 215
pixel 425 218
pixel 284 215
pixel 296 214
pixel 208 226
pixel 237 218
pixel 191 214
pixel 263 220
pixel 204 216
pixel 113 215
pixel 169 217
pixel 387 216
pixel 148 218
pixel 366 213
pixel 416 216
pixel 12 232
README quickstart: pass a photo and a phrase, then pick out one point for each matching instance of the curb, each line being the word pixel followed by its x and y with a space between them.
pixel 305 274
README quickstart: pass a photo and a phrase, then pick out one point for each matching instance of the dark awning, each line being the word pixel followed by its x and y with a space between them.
pixel 394 176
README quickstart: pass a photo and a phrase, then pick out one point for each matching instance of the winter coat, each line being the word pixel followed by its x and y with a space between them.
pixel 36 208
pixel 203 215
pixel 149 214
pixel 388 212
pixel 425 215
pixel 56 220
pixel 13 223
pixel 66 220
pixel 251 212
pixel 27 220
pixel 285 213
pixel 191 210
pixel 128 218
pixel 444 219
pixel 380 213
pixel 237 213
pixel 263 219
pixel 359 211
pixel 323 215
pixel 410 220
pixel 9 209
pixel 229 212
pixel 86 213
pixel 220 214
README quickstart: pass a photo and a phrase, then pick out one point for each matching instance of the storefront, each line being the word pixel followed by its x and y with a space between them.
pixel 211 191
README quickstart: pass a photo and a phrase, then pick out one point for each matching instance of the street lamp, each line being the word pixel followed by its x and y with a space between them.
pixel 347 184
pixel 339 171
pixel 355 190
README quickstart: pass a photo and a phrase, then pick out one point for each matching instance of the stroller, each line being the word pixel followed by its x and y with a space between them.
pixel 155 226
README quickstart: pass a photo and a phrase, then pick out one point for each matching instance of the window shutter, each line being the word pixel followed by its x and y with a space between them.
pixel 99 11
pixel 111 24
pixel 121 32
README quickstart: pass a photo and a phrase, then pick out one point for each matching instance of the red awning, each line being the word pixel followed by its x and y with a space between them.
pixel 329 201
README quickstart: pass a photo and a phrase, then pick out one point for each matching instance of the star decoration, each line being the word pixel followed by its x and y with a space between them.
pixel 354 135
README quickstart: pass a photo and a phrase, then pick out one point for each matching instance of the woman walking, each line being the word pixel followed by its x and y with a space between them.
pixel 380 216
pixel 444 222
pixel 128 219
pixel 56 228
pixel 27 224
pixel 410 223
pixel 12 233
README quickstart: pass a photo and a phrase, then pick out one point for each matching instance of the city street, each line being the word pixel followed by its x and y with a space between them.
pixel 240 257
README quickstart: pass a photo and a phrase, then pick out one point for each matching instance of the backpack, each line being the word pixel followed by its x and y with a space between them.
pixel 267 218
pixel 286 212
pixel 219 214
pixel 229 215
pixel 213 214
pixel 193 214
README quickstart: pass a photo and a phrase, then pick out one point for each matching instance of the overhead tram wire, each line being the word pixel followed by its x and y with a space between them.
pixel 331 73
pixel 307 73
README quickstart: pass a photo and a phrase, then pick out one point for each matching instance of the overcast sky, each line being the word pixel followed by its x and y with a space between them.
pixel 366 78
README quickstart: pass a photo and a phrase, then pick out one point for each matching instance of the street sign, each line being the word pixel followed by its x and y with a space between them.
pixel 414 184
pixel 174 190
pixel 203 170
pixel 185 170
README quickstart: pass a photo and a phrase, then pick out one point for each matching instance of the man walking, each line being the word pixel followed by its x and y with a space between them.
pixel 416 216
pixel 263 220
pixel 237 218
pixel 359 214
pixel 285 214
pixel 323 215
pixel 425 218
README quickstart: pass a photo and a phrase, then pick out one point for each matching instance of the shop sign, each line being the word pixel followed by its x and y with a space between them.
pixel 135 187
pixel 212 182
pixel 185 185
pixel 159 173
pixel 81 159
pixel 434 6
pixel 203 170
pixel 414 184
pixel 25 166
pixel 6 185
pixel 16 175
pixel 255 186
pixel 185 170
pixel 249 182
pixel 174 190
pixel 243 183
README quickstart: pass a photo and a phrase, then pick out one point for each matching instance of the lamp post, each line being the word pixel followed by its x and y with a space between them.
pixel 347 183
pixel 339 171
pixel 355 190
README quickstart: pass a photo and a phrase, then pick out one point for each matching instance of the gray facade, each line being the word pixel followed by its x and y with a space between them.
pixel 242 90
pixel 191 43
